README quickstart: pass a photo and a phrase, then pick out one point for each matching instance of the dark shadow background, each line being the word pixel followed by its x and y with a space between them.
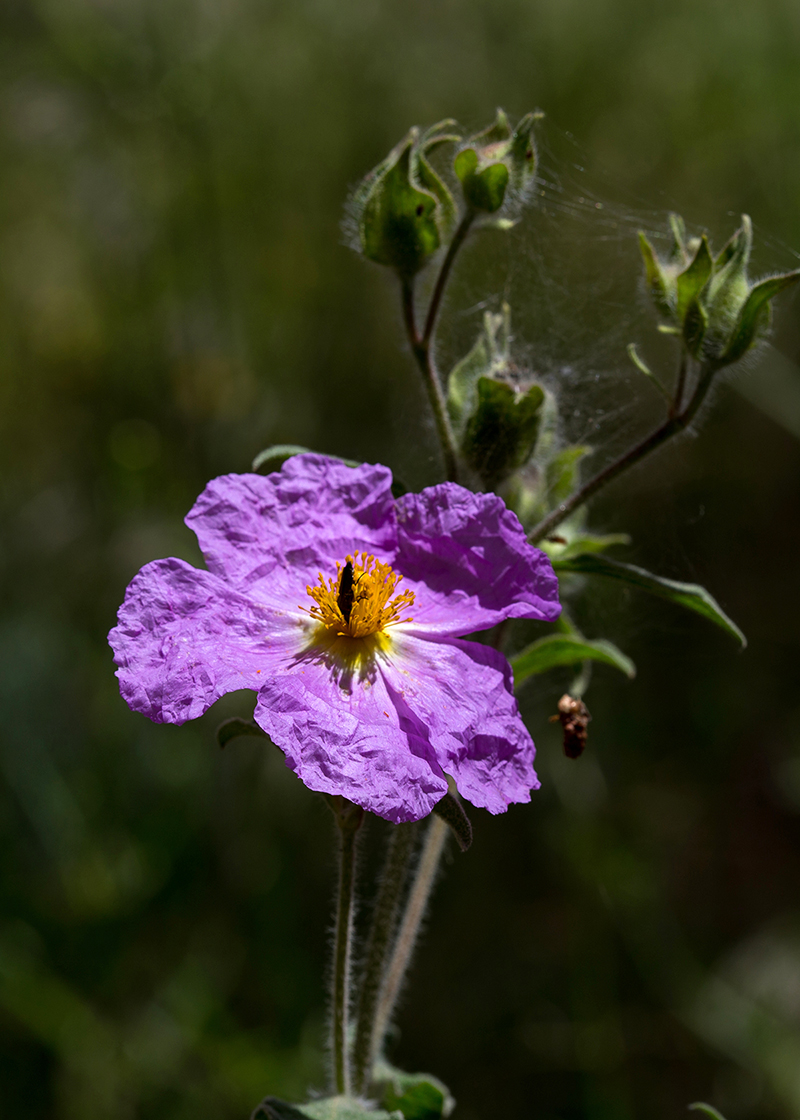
pixel 175 296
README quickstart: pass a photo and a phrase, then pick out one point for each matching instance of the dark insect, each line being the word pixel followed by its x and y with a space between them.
pixel 344 600
pixel 574 717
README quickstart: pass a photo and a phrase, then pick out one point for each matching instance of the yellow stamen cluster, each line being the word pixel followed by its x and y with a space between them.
pixel 375 605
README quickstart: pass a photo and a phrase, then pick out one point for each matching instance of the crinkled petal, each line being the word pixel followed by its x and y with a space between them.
pixel 270 535
pixel 462 693
pixel 185 638
pixel 342 734
pixel 469 563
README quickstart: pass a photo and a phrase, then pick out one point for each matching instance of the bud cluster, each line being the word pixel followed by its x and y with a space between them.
pixel 709 300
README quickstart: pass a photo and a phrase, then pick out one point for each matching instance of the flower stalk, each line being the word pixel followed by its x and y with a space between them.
pixel 409 928
pixel 348 818
pixel 384 923
pixel 674 423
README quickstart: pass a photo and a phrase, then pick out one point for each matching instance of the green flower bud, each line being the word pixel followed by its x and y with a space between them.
pixel 401 210
pixel 711 301
pixel 496 414
pixel 501 433
pixel 498 163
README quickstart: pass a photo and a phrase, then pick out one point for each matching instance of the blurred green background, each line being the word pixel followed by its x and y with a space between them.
pixel 174 297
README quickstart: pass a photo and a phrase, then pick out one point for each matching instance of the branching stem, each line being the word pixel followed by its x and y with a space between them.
pixel 671 426
pixel 409 927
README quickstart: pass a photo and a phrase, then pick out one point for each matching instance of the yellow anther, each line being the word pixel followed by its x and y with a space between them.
pixel 375 604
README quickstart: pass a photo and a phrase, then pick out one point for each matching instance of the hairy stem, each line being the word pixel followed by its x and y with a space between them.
pixel 669 428
pixel 681 383
pixel 348 818
pixel 424 359
pixel 409 927
pixel 444 275
pixel 384 923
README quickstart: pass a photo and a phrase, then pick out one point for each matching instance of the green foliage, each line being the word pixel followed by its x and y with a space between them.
pixel 711 301
pixel 402 209
pixel 708 1109
pixel 688 595
pixel 416 1096
pixel 327 1108
pixel 555 650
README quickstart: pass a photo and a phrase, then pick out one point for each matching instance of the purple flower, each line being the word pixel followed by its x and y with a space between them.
pixel 344 609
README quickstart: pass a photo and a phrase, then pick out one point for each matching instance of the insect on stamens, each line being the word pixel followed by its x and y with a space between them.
pixel 344 599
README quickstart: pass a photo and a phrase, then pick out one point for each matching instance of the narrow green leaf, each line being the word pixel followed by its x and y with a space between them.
pixel 708 1109
pixel 642 366
pixel 565 649
pixel 688 595
pixel 233 727
pixel 678 227
pixel 328 1108
pixel 563 473
pixel 754 313
pixel 656 280
pixel 452 813
pixel 272 458
pixel 583 543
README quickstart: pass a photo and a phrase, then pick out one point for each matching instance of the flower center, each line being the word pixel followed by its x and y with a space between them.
pixel 360 599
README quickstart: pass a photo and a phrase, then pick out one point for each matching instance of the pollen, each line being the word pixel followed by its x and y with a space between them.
pixel 360 599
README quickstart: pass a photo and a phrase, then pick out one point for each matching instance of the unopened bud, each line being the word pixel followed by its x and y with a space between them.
pixel 497 163
pixel 401 210
pixel 711 301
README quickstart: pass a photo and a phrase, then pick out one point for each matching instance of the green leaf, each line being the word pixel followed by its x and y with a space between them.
pixel 565 649
pixel 563 473
pixel 753 317
pixel 694 278
pixel 688 595
pixel 416 1096
pixel 452 813
pixel 678 227
pixel 328 1108
pixel 484 189
pixel 657 282
pixel 272 458
pixel 232 728
pixel 710 1111
pixel 582 543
